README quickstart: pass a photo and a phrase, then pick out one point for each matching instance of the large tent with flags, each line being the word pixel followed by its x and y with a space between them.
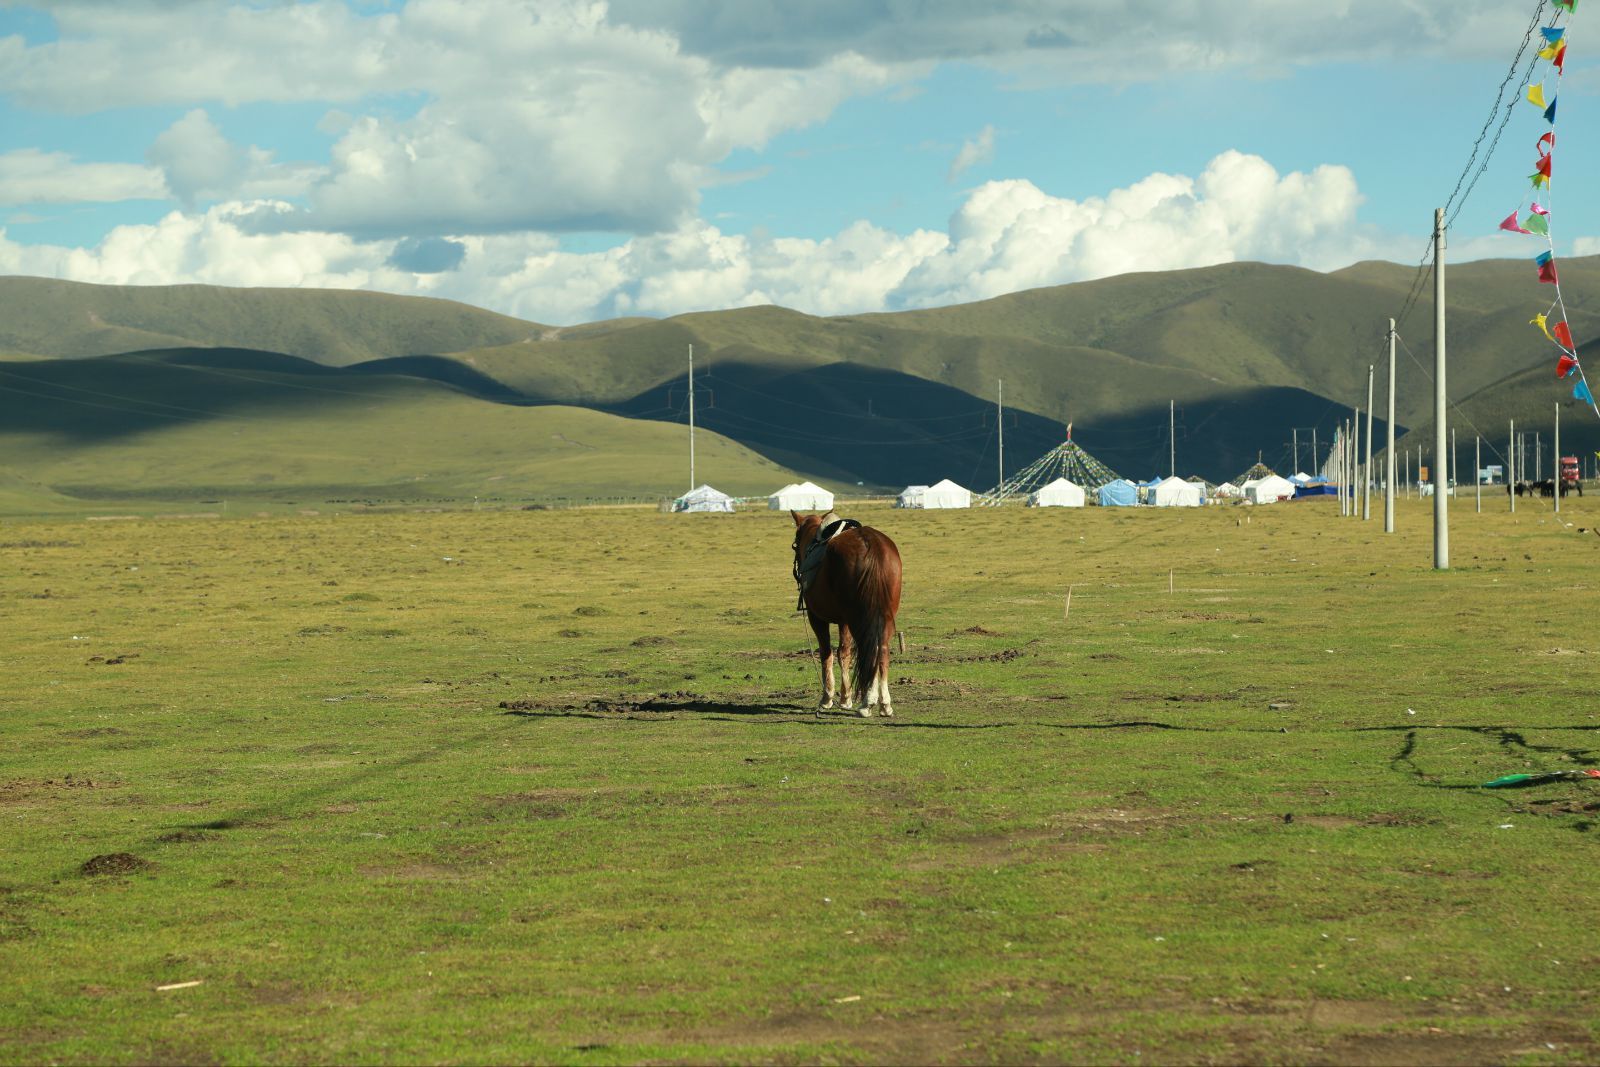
pixel 1067 461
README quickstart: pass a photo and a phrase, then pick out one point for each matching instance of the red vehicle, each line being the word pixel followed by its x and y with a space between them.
pixel 1571 477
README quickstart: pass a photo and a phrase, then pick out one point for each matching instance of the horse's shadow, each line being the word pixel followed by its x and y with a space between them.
pixel 648 709
pixel 765 714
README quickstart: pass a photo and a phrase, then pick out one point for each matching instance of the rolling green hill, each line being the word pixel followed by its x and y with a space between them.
pixel 241 425
pixel 1248 352
pixel 71 319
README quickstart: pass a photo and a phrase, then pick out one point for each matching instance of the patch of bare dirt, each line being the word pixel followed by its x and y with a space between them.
pixel 1005 655
pixel 413 872
pixel 20 789
pixel 857 1023
pixel 113 863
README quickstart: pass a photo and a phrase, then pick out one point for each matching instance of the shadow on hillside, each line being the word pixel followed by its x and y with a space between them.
pixel 884 428
pixel 137 392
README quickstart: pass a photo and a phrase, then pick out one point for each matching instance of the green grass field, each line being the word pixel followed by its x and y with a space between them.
pixel 549 786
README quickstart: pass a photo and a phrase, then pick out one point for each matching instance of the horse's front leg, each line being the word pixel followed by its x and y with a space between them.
pixel 847 656
pixel 825 654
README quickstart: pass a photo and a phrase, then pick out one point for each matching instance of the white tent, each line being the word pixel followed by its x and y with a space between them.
pixel 911 496
pixel 1177 493
pixel 804 496
pixel 1268 490
pixel 1057 494
pixel 704 498
pixel 1227 490
pixel 1300 479
pixel 946 494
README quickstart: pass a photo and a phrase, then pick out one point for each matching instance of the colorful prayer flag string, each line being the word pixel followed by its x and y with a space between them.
pixel 1533 218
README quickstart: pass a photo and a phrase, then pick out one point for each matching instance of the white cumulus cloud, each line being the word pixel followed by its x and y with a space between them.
pixel 29 176
pixel 1007 235
pixel 464 116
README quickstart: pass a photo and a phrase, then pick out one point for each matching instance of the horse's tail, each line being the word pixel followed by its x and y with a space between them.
pixel 877 595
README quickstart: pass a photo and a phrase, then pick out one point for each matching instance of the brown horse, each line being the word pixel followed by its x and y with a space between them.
pixel 856 586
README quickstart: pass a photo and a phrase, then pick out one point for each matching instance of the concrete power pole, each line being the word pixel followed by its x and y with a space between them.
pixel 1389 471
pixel 1441 475
pixel 1000 420
pixel 691 419
pixel 1511 468
pixel 1366 467
pixel 1555 459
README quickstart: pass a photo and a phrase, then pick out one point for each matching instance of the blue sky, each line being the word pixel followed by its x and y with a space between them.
pixel 569 160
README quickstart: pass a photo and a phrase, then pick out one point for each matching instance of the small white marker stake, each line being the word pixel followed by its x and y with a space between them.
pixel 180 985
pixel 1067 611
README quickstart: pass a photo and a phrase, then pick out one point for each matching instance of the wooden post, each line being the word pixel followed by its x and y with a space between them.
pixel 1477 473
pixel 1555 459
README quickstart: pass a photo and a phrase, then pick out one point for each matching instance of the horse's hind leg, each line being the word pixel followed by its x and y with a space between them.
pixel 847 665
pixel 880 682
pixel 825 654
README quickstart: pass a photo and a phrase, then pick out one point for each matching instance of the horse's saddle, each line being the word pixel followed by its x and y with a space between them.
pixel 805 571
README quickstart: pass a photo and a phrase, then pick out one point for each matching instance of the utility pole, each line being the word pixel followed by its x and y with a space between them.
pixel 1366 467
pixel 1537 456
pixel 691 419
pixel 1336 463
pixel 1355 461
pixel 1295 435
pixel 1555 459
pixel 1355 465
pixel 1315 469
pixel 1388 462
pixel 1477 472
pixel 1511 467
pixel 1000 420
pixel 1441 475
pixel 1172 438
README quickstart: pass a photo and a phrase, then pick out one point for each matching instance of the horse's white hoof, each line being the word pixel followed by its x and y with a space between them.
pixel 865 713
pixel 824 705
pixel 887 712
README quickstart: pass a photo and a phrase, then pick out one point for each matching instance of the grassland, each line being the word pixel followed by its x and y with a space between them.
pixel 548 786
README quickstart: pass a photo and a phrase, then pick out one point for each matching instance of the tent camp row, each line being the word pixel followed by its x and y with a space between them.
pixel 1119 492
pixel 801 496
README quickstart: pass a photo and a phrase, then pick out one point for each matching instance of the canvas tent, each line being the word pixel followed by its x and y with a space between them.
pixel 1119 494
pixel 946 494
pixel 803 496
pixel 1316 487
pixel 1176 493
pixel 1227 491
pixel 704 498
pixel 911 496
pixel 1057 494
pixel 1268 490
